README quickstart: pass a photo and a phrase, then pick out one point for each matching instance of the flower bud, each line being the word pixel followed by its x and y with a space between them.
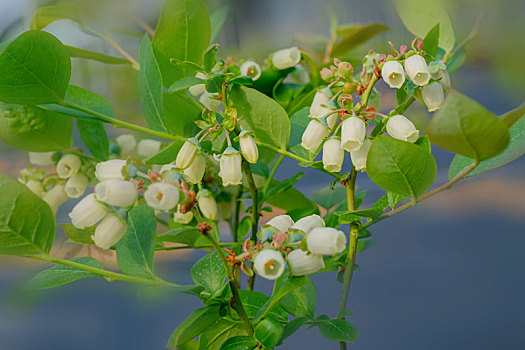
pixel 181 218
pixel 281 222
pixel 321 99
pixel 399 127
pixel 68 166
pixel 314 134
pixel 433 96
pixel 286 58
pixel 194 173
pixel 230 167
pixel 303 263
pixel 326 241
pixel 109 231
pixel 210 101
pixel 269 263
pixel 349 88
pixel 353 133
pixel 162 196
pixel 393 74
pixel 110 170
pixel 345 70
pixel 36 187
pixel 308 223
pixel 198 89
pixel 417 70
pixel 327 74
pixel 248 147
pixel 187 153
pixel 55 197
pixel 438 71
pixel 359 157
pixel 41 158
pixel 118 193
pixel 148 148
pixel 127 144
pixel 333 155
pixel 207 204
pixel 298 76
pixel 76 185
pixel 251 69
pixel 87 212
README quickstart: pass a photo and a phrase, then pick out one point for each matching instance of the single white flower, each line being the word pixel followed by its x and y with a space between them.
pixel 181 218
pixel 308 223
pixel 118 193
pixel 417 70
pixel 210 101
pixel 198 89
pixel 269 263
pixel 207 204
pixel 41 158
pixel 314 134
pixel 286 58
pixel 393 74
pixel 194 173
pixel 55 197
pixel 110 230
pixel 187 153
pixel 333 155
pixel 36 187
pixel 433 96
pixel 303 263
pixel 230 167
pixel 68 166
pixel 326 241
pixel 438 71
pixel 162 196
pixel 110 170
pixel 251 69
pixel 280 222
pixel 248 147
pixel 322 99
pixel 359 157
pixel 353 133
pixel 148 148
pixel 76 185
pixel 127 144
pixel 87 212
pixel 399 127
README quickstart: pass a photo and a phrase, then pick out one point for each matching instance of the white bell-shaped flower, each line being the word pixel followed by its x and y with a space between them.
pixel 181 218
pixel 55 197
pixel 68 166
pixel 433 96
pixel 417 70
pixel 187 153
pixel 359 157
pixel 207 204
pixel 438 71
pixel 118 193
pixel 393 74
pixel 36 187
pixel 148 148
pixel 198 89
pixel 210 101
pixel 280 222
pixel 41 158
pixel 333 155
pixel 194 173
pixel 248 147
pixel 308 223
pixel 110 230
pixel 314 134
pixel 303 263
pixel 162 196
pixel 127 144
pixel 269 263
pixel 286 58
pixel 326 241
pixel 87 212
pixel 76 185
pixel 353 133
pixel 230 167
pixel 399 127
pixel 110 170
pixel 319 107
pixel 251 69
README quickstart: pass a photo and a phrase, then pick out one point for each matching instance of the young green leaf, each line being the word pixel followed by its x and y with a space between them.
pixel 337 330
pixel 94 56
pixel 347 216
pixel 354 35
pixel 302 301
pixel 218 333
pixel 199 321
pixel 431 41
pixel 268 332
pixel 184 83
pixel 240 342
pixel 252 302
pixel 209 272
pixel 285 184
pixel 78 235
pixel 47 14
pixel 283 285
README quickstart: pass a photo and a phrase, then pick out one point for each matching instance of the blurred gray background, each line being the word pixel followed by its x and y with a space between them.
pixel 445 275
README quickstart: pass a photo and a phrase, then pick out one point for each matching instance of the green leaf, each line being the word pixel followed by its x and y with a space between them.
pixel 167 154
pixel 240 342
pixel 283 285
pixel 150 87
pixel 34 129
pixel 354 35
pixel 48 14
pixel 253 301
pixel 420 16
pixel 285 184
pixel 424 142
pixel 464 126
pixel 364 244
pixel 304 100
pixel 262 115
pixel 218 18
pixel 135 250
pixel 302 301
pixel 456 61
pixel 34 68
pixel 209 272
pixel 180 111
pixel 290 199
pixel 59 275
pixel 218 333
pixel 199 321
pixel 27 224
pixel 210 59
pixel 329 197
pixel 94 56
pixel 515 150
pixel 431 41
pixel 293 326
pixel 269 332
pixel 400 167
pixel 188 235
pixel 184 83
pixel 79 235
pixel 372 213
pixel 183 33
pixel 513 116
pixel 338 330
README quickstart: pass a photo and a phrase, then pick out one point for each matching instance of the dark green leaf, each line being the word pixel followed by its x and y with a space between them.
pixel 431 41
pixel 59 275
pixel 290 199
pixel 302 301
pixel 283 285
pixel 293 326
pixel 199 321
pixel 356 34
pixel 218 333
pixel 210 58
pixel 184 83
pixel 253 301
pixel 328 197
pixel 240 342
pixel 338 330
pixel 180 111
pixel 424 142
pixel 79 235
pixel 269 332
pixel 514 115
pixel 209 272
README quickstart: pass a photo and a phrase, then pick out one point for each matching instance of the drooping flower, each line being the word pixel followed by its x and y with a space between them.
pixel 127 144
pixel 359 157
pixel 393 74
pixel 87 212
pixel 314 134
pixel 76 185
pixel 162 196
pixel 198 89
pixel 251 69
pixel 194 173
pixel 41 158
pixel 207 204
pixel 333 154
pixel 35 186
pixel 308 223
pixel 303 263
pixel 55 197
pixel 110 170
pixel 326 241
pixel 248 147
pixel 187 153
pixel 118 193
pixel 433 96
pixel 353 133
pixel 281 222
pixel 110 230
pixel 399 127
pixel 269 263
pixel 417 70
pixel 148 148
pixel 68 166
pixel 230 167
pixel 286 58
